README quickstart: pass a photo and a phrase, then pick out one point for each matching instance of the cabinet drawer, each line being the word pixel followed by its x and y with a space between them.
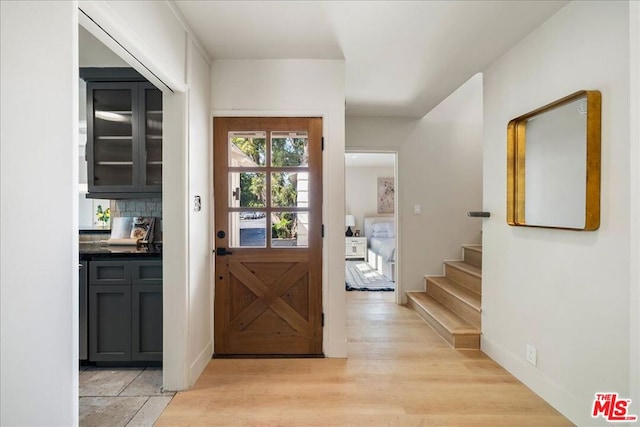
pixel 147 272
pixel 109 273
pixel 356 247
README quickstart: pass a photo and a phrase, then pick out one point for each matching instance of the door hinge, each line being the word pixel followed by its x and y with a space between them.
pixel 322 230
pixel 323 143
pixel 322 320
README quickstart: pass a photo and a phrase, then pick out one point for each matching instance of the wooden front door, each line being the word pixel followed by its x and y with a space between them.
pixel 268 236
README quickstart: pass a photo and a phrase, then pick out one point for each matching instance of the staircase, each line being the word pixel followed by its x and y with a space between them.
pixel 451 303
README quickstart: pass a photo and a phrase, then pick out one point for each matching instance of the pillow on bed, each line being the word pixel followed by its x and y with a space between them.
pixel 383 230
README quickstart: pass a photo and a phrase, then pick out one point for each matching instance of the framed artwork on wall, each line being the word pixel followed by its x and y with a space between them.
pixel 386 195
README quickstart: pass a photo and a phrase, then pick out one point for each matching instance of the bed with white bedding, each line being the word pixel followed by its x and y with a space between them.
pixel 381 241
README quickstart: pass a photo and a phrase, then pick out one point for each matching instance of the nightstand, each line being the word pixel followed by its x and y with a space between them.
pixel 356 248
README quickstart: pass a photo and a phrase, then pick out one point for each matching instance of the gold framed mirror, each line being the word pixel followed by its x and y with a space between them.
pixel 553 164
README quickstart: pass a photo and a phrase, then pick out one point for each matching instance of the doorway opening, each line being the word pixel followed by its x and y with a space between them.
pixel 119 205
pixel 371 223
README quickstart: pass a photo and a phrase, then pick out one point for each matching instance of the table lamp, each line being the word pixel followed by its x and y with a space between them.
pixel 349 221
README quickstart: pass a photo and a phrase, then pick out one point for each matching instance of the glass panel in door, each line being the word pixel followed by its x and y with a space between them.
pixel 290 229
pixel 248 227
pixel 153 136
pixel 113 137
pixel 290 149
pixel 247 149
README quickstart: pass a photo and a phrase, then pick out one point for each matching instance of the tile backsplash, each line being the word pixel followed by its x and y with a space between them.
pixel 140 207
pixel 136 207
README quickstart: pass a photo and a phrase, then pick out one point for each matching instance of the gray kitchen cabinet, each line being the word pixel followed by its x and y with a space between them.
pixel 125 306
pixel 124 136
pixel 110 323
pixel 147 311
pixel 110 273
pixel 83 304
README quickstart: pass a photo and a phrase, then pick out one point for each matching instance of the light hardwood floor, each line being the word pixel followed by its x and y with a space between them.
pixel 399 373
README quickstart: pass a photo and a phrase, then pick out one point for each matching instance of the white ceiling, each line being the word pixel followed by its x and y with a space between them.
pixel 402 57
pixel 365 160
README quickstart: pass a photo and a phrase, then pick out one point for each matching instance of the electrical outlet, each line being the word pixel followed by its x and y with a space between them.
pixel 532 355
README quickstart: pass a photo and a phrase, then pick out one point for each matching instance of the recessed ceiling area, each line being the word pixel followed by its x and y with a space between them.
pixel 401 57
pixel 368 160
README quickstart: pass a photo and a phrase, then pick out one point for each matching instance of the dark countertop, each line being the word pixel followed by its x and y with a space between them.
pixel 95 250
pixel 95 231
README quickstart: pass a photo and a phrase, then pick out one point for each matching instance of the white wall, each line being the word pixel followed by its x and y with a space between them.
pixel 439 168
pixel 304 88
pixel 378 133
pixel 564 292
pixel 200 248
pixel 361 186
pixel 150 31
pixel 39 168
pixel 93 53
pixel 156 35
pixel 634 340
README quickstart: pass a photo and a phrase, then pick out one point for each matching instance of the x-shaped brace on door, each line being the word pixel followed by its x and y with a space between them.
pixel 269 297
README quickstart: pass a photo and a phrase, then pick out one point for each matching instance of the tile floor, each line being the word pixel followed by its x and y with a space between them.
pixel 121 397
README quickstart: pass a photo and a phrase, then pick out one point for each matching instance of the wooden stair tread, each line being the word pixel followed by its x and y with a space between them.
pixel 453 323
pixel 466 267
pixel 475 248
pixel 461 292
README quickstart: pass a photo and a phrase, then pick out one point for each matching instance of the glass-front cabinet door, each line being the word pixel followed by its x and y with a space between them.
pixel 151 138
pixel 112 136
pixel 124 139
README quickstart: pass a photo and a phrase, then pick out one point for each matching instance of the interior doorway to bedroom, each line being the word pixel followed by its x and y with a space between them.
pixel 371 226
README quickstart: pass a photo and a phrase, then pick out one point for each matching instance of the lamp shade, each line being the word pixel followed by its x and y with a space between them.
pixel 349 221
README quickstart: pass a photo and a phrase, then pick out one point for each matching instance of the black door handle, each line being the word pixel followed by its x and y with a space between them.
pixel 223 252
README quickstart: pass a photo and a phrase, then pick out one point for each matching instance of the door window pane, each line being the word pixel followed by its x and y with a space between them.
pixel 247 230
pixel 284 188
pixel 289 149
pixel 290 229
pixel 276 177
pixel 247 149
pixel 247 189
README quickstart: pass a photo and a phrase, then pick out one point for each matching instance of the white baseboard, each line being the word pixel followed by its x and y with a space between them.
pixel 564 402
pixel 335 349
pixel 201 362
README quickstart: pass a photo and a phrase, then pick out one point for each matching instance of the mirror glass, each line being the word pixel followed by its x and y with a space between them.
pixel 554 165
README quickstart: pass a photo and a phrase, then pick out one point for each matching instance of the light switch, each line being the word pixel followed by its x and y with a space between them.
pixel 417 209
